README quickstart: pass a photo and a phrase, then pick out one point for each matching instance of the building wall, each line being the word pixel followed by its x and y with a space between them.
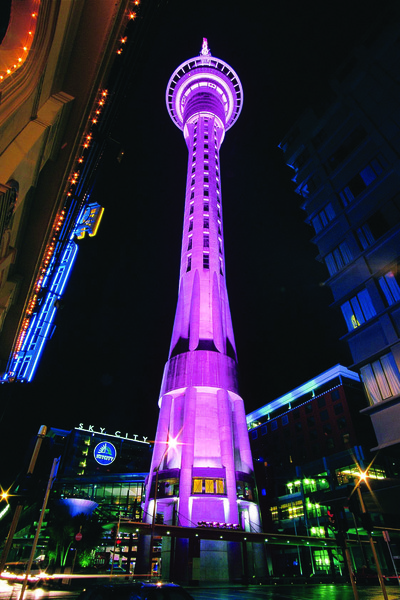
pixel 346 167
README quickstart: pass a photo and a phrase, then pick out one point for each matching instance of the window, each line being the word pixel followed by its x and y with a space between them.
pixel 190 243
pixel 322 219
pixel 193 170
pixel 206 168
pixel 374 228
pixel 220 266
pixel 285 420
pixel 362 180
pixel 338 258
pixel 205 193
pixel 208 486
pixel 191 209
pixel 189 264
pixel 206 223
pixel 206 241
pixel 192 182
pixel 264 430
pixel 206 207
pixel 335 395
pixel 206 157
pixel 338 408
pixel 381 379
pixel 321 401
pixel 192 195
pixel 254 434
pixel 390 287
pixel 348 146
pixel 357 310
pixel 190 224
pixel 323 415
pixel 206 261
pixel 205 179
pixel 274 425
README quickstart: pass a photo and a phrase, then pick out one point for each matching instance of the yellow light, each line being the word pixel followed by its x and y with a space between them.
pixel 363 475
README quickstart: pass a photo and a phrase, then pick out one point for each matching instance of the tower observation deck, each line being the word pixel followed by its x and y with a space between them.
pixel 202 461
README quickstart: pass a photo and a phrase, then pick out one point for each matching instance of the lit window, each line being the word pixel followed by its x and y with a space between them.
pixel 209 486
pixel 381 379
pixel 322 219
pixel 338 258
pixel 390 287
pixel 357 310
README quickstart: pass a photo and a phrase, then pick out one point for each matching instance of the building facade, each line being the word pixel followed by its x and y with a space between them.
pixel 345 160
pixel 310 447
pixel 202 468
pixel 55 58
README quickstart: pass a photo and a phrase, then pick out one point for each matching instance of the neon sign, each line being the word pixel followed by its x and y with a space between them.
pixel 116 434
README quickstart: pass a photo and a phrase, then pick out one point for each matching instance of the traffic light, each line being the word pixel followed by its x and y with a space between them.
pixel 337 519
pixel 331 517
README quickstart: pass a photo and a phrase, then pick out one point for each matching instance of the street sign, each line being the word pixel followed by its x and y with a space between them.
pixel 78 536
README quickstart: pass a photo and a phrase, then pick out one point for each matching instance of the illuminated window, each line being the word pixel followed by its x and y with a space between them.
pixel 208 486
pixel 381 379
pixel 338 258
pixel 357 310
pixel 390 287
pixel 322 219
pixel 274 514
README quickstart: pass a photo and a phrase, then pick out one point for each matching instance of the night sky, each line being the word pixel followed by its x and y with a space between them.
pixel 105 361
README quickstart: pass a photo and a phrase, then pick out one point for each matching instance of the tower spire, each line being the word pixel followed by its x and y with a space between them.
pixel 205 51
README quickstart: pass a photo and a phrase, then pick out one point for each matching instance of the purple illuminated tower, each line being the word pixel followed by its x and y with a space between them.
pixel 202 460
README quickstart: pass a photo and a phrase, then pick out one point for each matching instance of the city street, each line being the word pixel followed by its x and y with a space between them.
pixel 277 592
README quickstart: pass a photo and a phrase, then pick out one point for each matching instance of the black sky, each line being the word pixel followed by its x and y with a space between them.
pixel 104 364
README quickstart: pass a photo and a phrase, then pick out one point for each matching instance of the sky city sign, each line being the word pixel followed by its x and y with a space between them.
pixel 117 434
pixel 105 453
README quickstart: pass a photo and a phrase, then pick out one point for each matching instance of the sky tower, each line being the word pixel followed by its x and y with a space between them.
pixel 202 461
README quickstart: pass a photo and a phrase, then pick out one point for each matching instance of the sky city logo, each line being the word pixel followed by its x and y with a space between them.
pixel 105 453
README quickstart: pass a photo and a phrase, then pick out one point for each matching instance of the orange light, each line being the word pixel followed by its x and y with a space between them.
pixel 132 15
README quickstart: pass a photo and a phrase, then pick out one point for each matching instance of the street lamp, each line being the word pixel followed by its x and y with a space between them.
pixel 363 476
pixel 171 444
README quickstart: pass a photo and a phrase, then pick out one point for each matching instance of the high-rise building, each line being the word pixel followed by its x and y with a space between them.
pixel 345 158
pixel 202 467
